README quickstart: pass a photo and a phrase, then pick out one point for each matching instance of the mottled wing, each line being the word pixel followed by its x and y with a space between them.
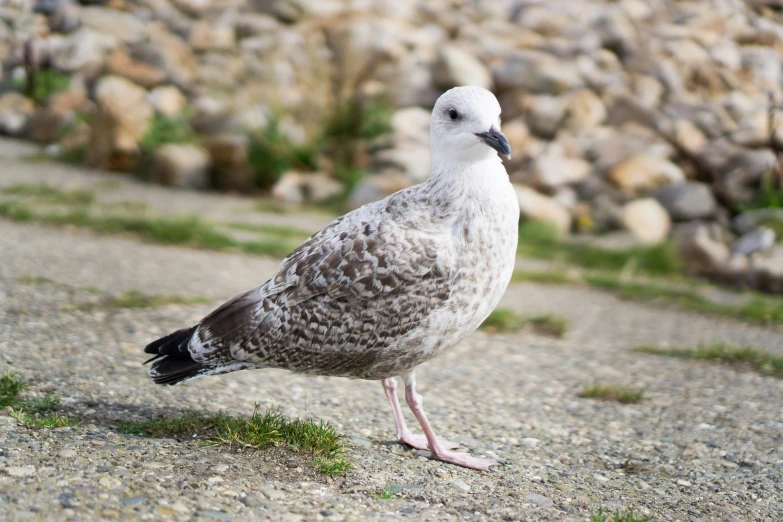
pixel 337 304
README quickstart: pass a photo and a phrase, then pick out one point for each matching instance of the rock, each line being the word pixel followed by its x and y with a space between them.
pixel 376 187
pixel 210 115
pixel 15 110
pixel 82 50
pixel 181 165
pixel 584 111
pixel 65 103
pixel 123 117
pixel 642 173
pixel 208 36
pixel 65 18
pixel 554 169
pixel 288 189
pixel 231 169
pixel 545 115
pixel 688 201
pixel 44 126
pixel 768 275
pixel 459 485
pixel 20 471
pixel 538 500
pixel 754 241
pixel 647 220
pixel 120 63
pixel 168 52
pixel 319 187
pixel 297 188
pixel 689 136
pixel 167 100
pixel 125 26
pixel 536 206
pixel 412 159
pixel 456 66
pixel 537 72
pixel 703 254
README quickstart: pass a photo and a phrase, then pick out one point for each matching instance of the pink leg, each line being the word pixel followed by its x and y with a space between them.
pixel 403 433
pixel 439 452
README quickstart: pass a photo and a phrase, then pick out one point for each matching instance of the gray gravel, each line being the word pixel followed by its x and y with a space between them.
pixel 706 445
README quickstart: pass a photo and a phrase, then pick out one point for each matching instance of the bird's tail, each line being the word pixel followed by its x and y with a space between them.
pixel 173 363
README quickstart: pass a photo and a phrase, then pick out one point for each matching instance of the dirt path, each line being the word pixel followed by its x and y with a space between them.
pixel 707 444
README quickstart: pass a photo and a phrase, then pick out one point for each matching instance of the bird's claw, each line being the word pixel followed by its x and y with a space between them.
pixel 420 442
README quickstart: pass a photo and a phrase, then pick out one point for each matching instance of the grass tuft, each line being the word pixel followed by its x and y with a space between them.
pixel 503 320
pixel 758 360
pixel 611 392
pixel 135 299
pixel 11 387
pixel 625 516
pixel 540 240
pixel 37 412
pixel 271 428
pixel 167 129
pixel 387 493
pixel 49 194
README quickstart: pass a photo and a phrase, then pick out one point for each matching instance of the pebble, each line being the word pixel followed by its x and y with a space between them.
pixel 216 515
pixel 600 478
pixel 459 485
pixel 538 500
pixel 20 471
pixel 133 501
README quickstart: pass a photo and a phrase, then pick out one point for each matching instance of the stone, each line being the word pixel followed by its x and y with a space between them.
pixel 459 485
pixel 210 115
pixel 553 169
pixel 125 26
pixel 688 201
pixel 456 66
pixel 410 158
pixel 83 49
pixel 689 136
pixel 123 117
pixel 181 165
pixel 64 19
pixel 537 72
pixel 376 187
pixel 231 170
pixel 288 189
pixel 15 110
pixel 703 254
pixel 538 500
pixel 539 207
pixel 297 188
pixel 168 52
pixel 44 126
pixel 642 173
pixel 209 36
pixel 120 63
pixel 647 220
pixel 584 111
pixel 167 100
pixel 545 115
pixel 67 102
pixel 20 471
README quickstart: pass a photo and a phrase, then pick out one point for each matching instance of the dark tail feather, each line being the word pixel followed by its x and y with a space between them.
pixel 172 362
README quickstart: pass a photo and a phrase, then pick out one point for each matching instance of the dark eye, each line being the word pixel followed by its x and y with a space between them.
pixel 453 114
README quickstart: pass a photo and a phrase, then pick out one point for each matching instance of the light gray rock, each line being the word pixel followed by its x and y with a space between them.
pixel 15 110
pixel 124 26
pixel 647 220
pixel 181 165
pixel 85 48
pixel 456 66
pixel 688 201
pixel 376 187
pixel 537 72
pixel 536 206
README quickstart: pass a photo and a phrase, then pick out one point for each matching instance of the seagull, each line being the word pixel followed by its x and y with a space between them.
pixel 384 288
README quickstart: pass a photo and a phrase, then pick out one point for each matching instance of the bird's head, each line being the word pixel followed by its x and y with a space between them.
pixel 465 125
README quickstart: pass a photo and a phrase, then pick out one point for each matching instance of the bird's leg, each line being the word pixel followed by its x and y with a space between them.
pixel 403 433
pixel 439 452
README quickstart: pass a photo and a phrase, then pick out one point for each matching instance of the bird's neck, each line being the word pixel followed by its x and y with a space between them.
pixel 455 182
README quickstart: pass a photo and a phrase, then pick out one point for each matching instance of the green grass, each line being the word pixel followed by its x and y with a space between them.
pixel 271 154
pixel 49 194
pixel 164 130
pixel 47 82
pixel 282 231
pixel 27 279
pixel 552 277
pixel 134 299
pixel 36 412
pixel 612 392
pixel 625 516
pixel 386 493
pixel 540 240
pixel 503 320
pixel 259 431
pixel 758 360
pixel 11 387
pixel 184 231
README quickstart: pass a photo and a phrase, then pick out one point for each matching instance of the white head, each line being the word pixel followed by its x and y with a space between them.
pixel 465 125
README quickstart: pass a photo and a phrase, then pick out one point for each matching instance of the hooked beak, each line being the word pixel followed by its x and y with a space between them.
pixel 495 139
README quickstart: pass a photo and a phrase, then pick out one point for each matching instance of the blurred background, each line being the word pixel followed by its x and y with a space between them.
pixel 632 122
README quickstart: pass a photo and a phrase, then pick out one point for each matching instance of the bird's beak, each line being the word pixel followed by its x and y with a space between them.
pixel 495 139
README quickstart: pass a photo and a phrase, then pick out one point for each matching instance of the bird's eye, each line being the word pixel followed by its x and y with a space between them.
pixel 453 114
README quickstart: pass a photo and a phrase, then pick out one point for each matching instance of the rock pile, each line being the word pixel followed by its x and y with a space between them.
pixel 656 117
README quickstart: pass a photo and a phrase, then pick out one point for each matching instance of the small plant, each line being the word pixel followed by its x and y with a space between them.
pixel 164 130
pixel 271 154
pixel 37 420
pixel 135 299
pixel 387 493
pixel 259 431
pixel 549 325
pixel 611 392
pixel 48 194
pixel 625 516
pixel 42 84
pixel 758 360
pixel 11 387
pixel 502 320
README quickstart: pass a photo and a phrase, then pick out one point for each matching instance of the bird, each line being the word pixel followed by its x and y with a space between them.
pixel 383 288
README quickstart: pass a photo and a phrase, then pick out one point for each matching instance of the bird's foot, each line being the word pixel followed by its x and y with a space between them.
pixel 420 442
pixel 464 460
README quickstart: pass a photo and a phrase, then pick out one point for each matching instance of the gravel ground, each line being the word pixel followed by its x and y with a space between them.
pixel 707 444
